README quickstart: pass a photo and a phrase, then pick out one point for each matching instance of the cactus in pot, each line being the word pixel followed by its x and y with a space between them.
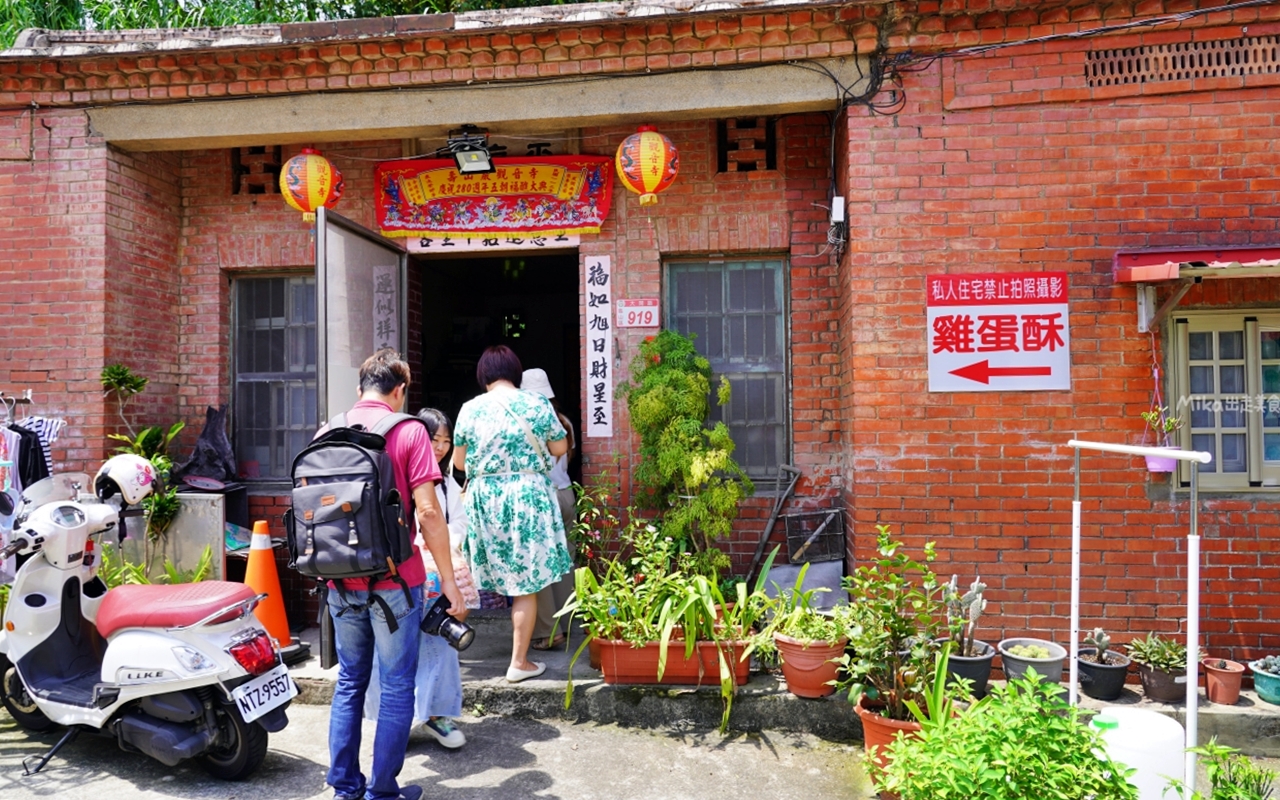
pixel 970 659
pixel 1102 670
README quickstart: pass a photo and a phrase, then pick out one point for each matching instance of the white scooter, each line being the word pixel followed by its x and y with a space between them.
pixel 174 672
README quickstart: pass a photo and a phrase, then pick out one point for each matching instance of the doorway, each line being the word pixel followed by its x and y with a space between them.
pixel 527 302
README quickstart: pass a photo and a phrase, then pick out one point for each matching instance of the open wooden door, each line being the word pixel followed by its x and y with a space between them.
pixel 361 289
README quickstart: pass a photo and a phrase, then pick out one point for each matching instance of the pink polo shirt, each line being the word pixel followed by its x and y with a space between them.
pixel 414 464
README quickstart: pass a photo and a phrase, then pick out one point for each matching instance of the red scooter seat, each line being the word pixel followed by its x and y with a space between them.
pixel 168 606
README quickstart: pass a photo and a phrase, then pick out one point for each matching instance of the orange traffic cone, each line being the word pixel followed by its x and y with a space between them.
pixel 260 575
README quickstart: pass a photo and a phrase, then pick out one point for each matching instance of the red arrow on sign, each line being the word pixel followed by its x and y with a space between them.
pixel 983 372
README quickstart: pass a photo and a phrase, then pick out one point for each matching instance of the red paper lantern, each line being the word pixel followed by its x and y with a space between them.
pixel 647 163
pixel 309 181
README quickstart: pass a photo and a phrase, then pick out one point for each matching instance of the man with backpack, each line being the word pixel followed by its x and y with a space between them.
pixel 375 616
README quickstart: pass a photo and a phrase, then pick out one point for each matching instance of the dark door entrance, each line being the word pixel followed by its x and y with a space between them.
pixel 528 303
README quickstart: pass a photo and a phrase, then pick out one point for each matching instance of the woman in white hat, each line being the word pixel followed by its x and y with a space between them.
pixel 552 598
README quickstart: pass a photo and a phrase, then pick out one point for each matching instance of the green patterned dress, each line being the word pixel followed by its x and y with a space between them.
pixel 515 534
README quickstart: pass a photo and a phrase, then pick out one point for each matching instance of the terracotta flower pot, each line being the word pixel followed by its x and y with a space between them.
pixel 809 667
pixel 593 653
pixel 623 664
pixel 1222 680
pixel 879 731
pixel 1164 687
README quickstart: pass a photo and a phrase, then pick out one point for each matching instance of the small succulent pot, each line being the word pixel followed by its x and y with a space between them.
pixel 1161 686
pixel 976 668
pixel 1222 680
pixel 1049 668
pixel 1266 684
pixel 1099 680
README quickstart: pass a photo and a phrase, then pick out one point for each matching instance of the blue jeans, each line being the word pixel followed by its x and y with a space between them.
pixel 360 630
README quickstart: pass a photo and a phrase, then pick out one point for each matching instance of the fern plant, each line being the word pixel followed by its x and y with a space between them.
pixel 686 470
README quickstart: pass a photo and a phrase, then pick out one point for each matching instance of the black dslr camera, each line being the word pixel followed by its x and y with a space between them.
pixel 437 622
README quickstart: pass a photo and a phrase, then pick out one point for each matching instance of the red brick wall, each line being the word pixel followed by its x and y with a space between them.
pixel 53 234
pixel 1047 183
pixel 771 213
pixel 142 283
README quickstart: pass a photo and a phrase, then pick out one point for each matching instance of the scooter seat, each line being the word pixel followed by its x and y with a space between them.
pixel 168 606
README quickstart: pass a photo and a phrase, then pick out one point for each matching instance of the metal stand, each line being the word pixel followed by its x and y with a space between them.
pixel 1193 584
pixel 53 751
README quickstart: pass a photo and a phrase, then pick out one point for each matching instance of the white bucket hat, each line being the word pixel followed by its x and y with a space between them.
pixel 536 380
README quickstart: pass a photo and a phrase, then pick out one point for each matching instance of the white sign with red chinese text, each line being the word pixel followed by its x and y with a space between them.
pixel 998 332
pixel 443 243
pixel 599 291
pixel 638 313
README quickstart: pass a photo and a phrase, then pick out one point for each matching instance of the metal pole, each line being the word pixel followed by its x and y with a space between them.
pixel 1073 687
pixel 1193 634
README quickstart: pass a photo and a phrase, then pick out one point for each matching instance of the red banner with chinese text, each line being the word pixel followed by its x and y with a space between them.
pixel 549 194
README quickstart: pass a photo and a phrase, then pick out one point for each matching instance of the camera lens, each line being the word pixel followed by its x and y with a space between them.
pixel 457 634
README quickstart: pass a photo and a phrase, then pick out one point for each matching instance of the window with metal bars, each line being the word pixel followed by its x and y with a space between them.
pixel 1226 391
pixel 736 312
pixel 274 348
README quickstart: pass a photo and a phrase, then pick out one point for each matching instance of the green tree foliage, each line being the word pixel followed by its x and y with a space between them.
pixel 18 15
pixel 686 470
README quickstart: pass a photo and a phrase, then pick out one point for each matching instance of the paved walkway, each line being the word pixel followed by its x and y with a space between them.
pixel 764 704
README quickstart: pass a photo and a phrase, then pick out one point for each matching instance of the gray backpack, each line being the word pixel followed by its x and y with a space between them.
pixel 348 520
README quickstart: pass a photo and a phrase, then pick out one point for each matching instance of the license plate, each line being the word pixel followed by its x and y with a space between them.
pixel 264 693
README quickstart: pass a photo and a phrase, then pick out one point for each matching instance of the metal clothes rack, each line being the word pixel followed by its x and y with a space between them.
pixel 9 402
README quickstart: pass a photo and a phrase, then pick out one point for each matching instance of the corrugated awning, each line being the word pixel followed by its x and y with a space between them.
pixel 1147 266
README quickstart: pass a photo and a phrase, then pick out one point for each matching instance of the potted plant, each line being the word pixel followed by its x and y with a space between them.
pixel 1102 670
pixel 1021 653
pixel 1266 678
pixel 893 635
pixel 969 658
pixel 1020 741
pixel 808 640
pixel 1162 666
pixel 1222 680
pixel 1158 420
pixel 1231 775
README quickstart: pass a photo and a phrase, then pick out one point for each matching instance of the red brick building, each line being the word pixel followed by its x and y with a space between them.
pixel 1090 139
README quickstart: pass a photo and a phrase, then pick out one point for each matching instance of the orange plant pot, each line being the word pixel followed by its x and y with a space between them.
pixel 623 664
pixel 879 731
pixel 1222 684
pixel 809 669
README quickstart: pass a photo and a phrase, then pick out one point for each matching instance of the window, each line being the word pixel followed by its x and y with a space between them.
pixel 1227 390
pixel 275 373
pixel 735 312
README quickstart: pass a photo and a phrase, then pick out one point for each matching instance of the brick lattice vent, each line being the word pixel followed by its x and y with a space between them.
pixel 747 145
pixel 1251 55
pixel 255 170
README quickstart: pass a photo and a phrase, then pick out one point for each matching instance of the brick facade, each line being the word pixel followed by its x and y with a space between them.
pixel 1005 161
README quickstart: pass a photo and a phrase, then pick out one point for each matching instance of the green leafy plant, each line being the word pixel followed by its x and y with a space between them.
pixel 118 381
pixel 894 610
pixel 596 532
pixel 1020 741
pixel 1158 420
pixel 652 592
pixel 964 609
pixel 793 613
pixel 4 598
pixel 1160 654
pixel 1232 776
pixel 115 569
pixel 686 470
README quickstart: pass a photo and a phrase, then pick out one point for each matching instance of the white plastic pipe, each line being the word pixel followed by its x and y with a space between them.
pixel 1193 583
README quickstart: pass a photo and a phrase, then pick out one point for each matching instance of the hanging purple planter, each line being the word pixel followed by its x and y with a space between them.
pixel 1162 463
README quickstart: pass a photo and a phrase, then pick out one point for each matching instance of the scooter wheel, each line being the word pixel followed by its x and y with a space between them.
pixel 14 697
pixel 240 750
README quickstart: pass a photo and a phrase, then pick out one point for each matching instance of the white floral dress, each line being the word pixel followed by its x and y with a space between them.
pixel 515 534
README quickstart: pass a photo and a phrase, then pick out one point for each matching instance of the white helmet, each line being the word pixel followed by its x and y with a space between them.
pixel 132 476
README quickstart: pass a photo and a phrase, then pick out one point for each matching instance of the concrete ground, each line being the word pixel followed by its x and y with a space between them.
pixel 504 759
